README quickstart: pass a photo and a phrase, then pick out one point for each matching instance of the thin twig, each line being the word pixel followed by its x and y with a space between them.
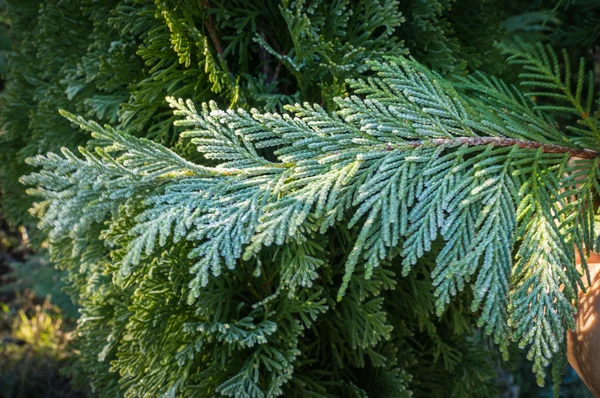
pixel 212 33
pixel 264 59
pixel 499 141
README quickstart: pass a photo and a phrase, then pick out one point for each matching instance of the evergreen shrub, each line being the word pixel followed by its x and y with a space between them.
pixel 336 198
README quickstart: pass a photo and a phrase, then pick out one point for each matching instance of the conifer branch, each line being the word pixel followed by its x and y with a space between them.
pixel 418 159
pixel 261 226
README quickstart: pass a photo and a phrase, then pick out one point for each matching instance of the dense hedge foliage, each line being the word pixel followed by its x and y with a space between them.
pixel 244 334
pixel 116 62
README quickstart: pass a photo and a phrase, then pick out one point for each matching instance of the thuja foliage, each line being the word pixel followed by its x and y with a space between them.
pixel 115 61
pixel 362 246
pixel 413 160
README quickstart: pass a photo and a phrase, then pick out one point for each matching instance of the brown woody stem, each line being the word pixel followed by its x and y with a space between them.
pixel 500 141
pixel 210 28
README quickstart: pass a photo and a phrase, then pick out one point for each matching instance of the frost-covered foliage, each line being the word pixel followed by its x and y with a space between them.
pixel 345 249
pixel 467 170
pixel 116 61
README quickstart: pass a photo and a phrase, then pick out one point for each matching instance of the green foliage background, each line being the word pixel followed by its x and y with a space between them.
pixel 116 61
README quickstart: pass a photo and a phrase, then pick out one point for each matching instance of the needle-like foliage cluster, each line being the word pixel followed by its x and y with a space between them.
pixel 359 222
pixel 116 61
pixel 412 159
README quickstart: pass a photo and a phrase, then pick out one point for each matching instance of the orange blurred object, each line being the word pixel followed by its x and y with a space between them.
pixel 583 344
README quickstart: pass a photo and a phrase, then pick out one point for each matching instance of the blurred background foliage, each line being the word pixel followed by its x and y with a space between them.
pixel 115 61
pixel 36 322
